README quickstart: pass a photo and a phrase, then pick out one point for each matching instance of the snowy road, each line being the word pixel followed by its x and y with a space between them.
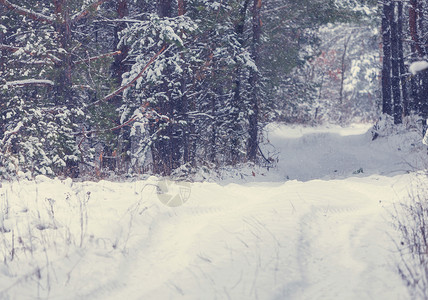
pixel 328 238
pixel 318 240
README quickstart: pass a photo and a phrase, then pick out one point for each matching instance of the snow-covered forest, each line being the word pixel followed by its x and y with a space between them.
pixel 213 149
pixel 102 88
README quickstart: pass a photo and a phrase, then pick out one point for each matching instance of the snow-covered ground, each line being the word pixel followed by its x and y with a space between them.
pixel 316 227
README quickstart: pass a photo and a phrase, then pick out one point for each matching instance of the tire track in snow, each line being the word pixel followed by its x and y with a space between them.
pixel 152 260
pixel 339 248
pixel 329 259
pixel 291 242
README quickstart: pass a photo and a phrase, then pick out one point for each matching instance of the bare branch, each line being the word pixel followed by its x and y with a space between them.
pixel 86 133
pixel 87 10
pixel 124 87
pixel 27 12
pixel 98 57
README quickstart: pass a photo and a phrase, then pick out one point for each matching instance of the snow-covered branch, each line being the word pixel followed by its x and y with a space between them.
pixel 27 12
pixel 51 57
pixel 28 82
pixel 124 87
pixel 418 66
pixel 11 132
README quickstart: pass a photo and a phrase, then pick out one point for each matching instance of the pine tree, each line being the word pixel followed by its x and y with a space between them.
pixel 49 83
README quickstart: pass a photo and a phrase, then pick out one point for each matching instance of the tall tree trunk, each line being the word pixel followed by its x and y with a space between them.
pixel 2 72
pixel 165 148
pixel 213 135
pixel 413 27
pixel 64 91
pixel 63 28
pixel 254 82
pixel 343 69
pixel 165 8
pixel 181 7
pixel 3 51
pixel 403 81
pixel 423 92
pixel 120 67
pixel 386 66
pixel 415 52
pixel 395 69
pixel 421 30
pixel 188 129
pixel 236 100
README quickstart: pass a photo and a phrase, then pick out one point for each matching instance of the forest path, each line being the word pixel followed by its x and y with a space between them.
pixel 328 238
pixel 334 152
pixel 325 234
pixel 311 240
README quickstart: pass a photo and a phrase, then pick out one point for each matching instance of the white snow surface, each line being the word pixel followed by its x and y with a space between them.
pixel 418 66
pixel 324 234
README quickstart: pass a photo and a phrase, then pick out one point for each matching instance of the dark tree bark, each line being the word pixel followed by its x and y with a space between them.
pixel 395 69
pixel 120 67
pixel 2 51
pixel 63 86
pixel 423 92
pixel 188 129
pixel 181 7
pixel 415 52
pixel 236 100
pixel 165 149
pixel 63 28
pixel 413 27
pixel 254 79
pixel 421 29
pixel 386 64
pixel 213 137
pixel 165 8
pixel 403 81
pixel 2 70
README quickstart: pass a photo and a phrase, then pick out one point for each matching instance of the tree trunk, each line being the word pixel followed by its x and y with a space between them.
pixel 165 8
pixel 403 81
pixel 415 52
pixel 423 92
pixel 188 129
pixel 413 27
pixel 2 70
pixel 254 83
pixel 64 92
pixel 236 100
pixel 120 67
pixel 421 30
pixel 2 52
pixel 63 28
pixel 386 64
pixel 181 7
pixel 395 69
pixel 164 148
pixel 343 69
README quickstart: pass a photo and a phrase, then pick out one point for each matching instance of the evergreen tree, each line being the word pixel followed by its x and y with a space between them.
pixel 51 78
